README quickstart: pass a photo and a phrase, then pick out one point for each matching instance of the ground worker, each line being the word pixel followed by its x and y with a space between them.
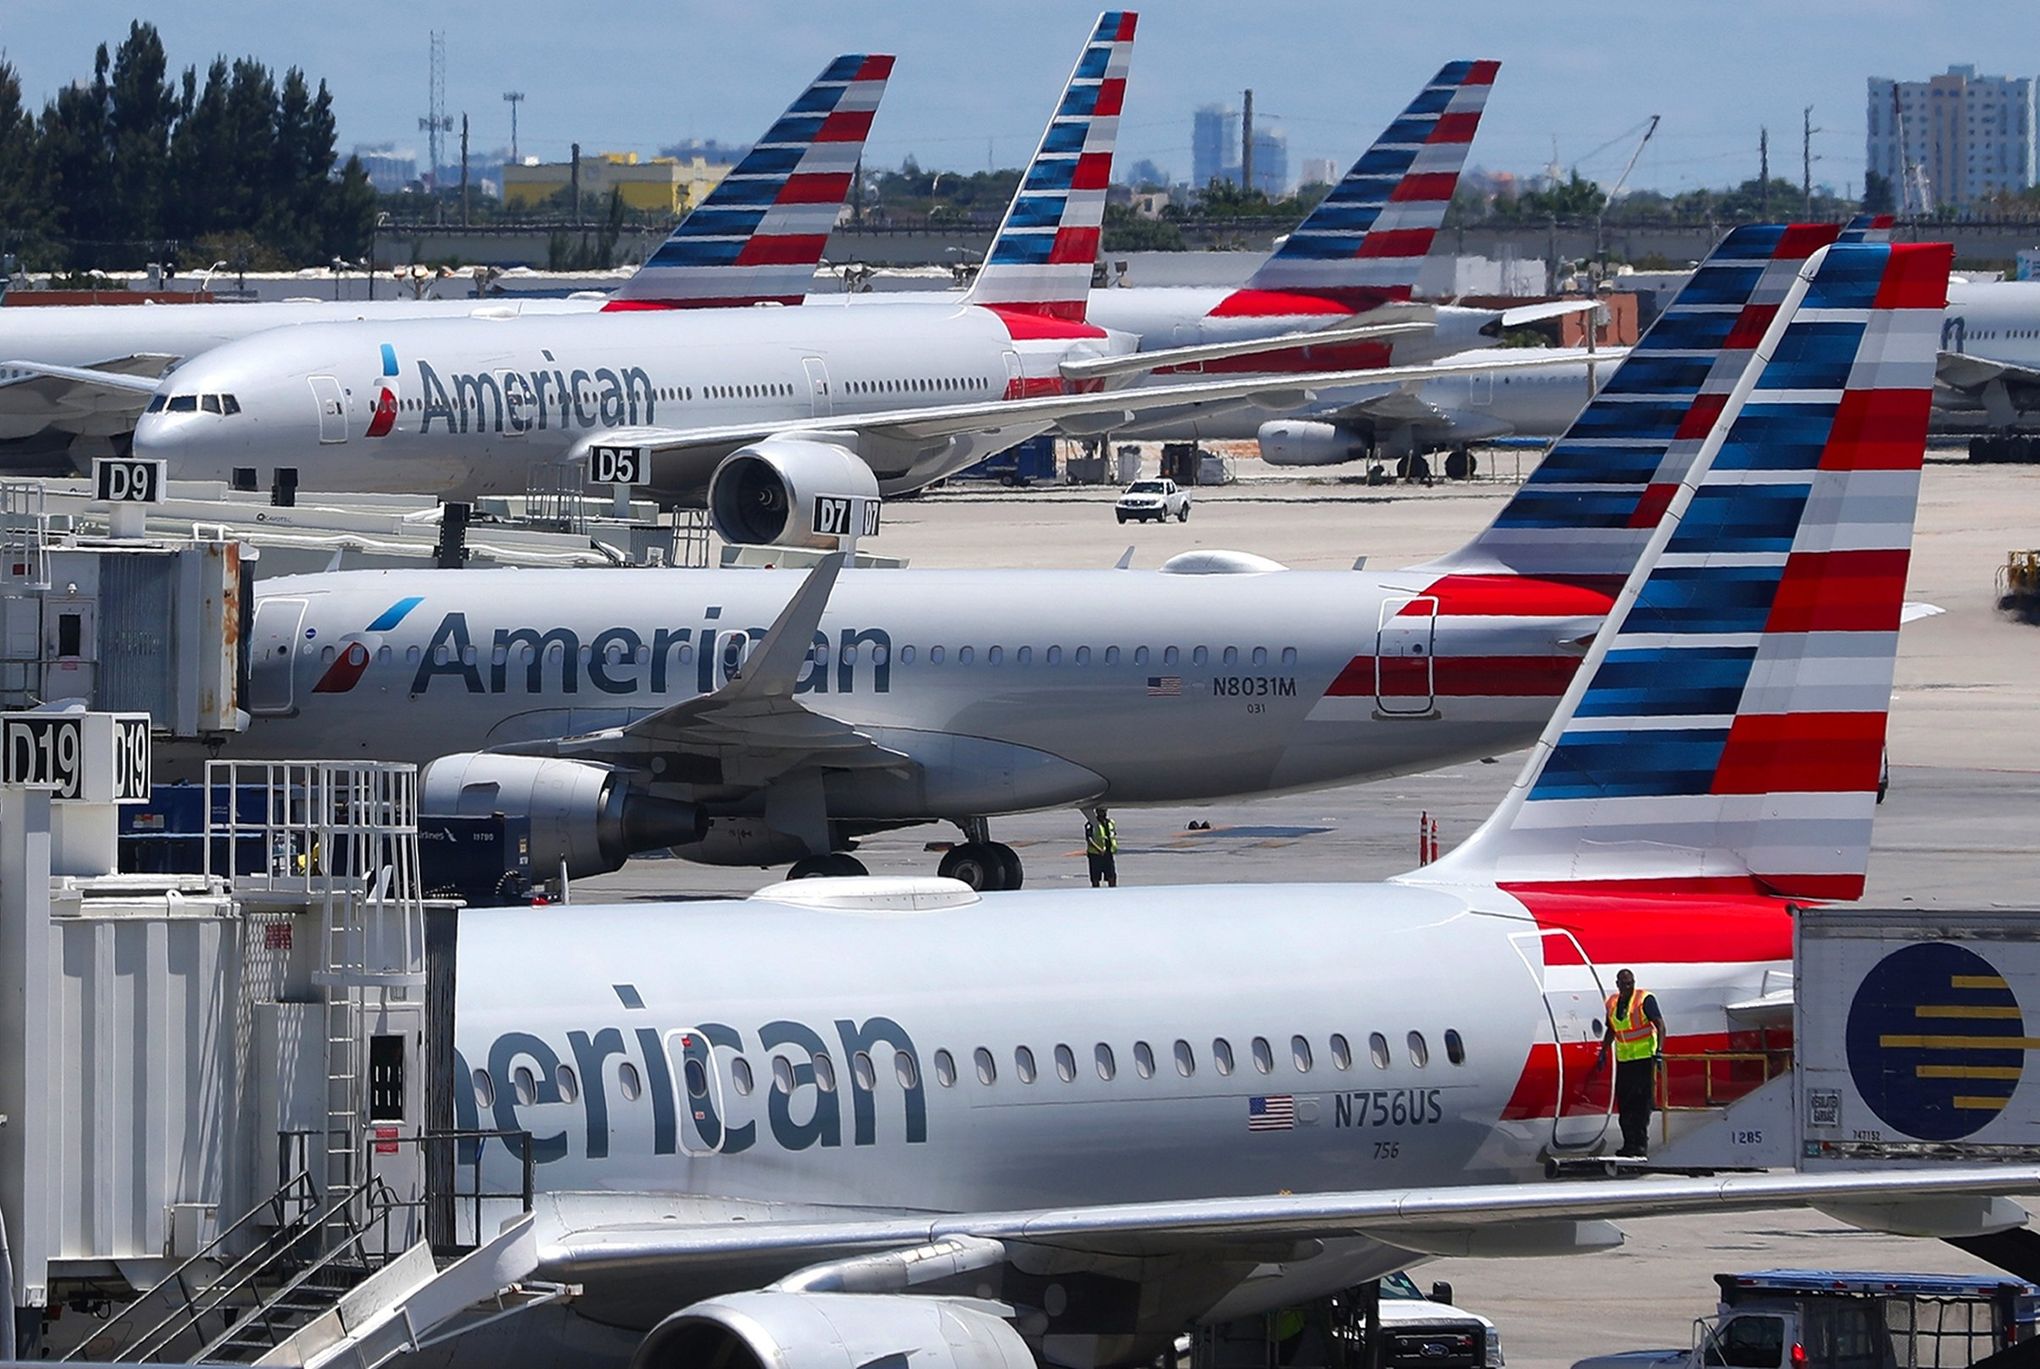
pixel 1101 844
pixel 1635 1032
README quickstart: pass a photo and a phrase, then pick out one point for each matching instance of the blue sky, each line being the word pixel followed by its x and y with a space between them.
pixel 975 81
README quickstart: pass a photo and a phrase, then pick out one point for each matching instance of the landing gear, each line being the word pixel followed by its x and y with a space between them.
pixel 835 865
pixel 983 865
pixel 1460 464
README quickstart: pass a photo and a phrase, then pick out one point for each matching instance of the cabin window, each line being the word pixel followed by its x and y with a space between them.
pixel 696 1075
pixel 862 1072
pixel 963 655
pixel 906 655
pixel 569 1084
pixel 1420 1054
pixel 1198 656
pixel 1186 1059
pixel 1455 1046
pixel 1083 655
pixel 1024 656
pixel 485 1090
pixel 1264 1057
pixel 629 1081
pixel 994 655
pixel 1065 1064
pixel 1377 1050
pixel 1170 655
pixel 1111 655
pixel 1299 1054
pixel 1140 655
pixel 1053 655
pixel 1289 656
pixel 934 655
pixel 825 1072
pixel 1221 1055
pixel 1107 1066
pixel 987 1068
pixel 1023 1064
pixel 906 1069
pixel 1342 1052
pixel 945 1069
pixel 741 1078
pixel 1260 655
pixel 1232 655
pixel 1144 1059
pixel 782 1074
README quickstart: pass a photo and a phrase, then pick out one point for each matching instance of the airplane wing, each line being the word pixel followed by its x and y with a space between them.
pixel 753 729
pixel 1960 371
pixel 1419 1218
pixel 1360 328
pixel 932 442
pixel 126 379
pixel 1558 308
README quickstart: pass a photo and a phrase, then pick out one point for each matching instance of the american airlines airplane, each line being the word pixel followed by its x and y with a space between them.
pixel 858 1122
pixel 752 717
pixel 1990 353
pixel 82 376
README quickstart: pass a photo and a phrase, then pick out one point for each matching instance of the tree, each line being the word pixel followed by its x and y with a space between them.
pixel 25 219
pixel 140 106
pixel 1877 196
pixel 73 166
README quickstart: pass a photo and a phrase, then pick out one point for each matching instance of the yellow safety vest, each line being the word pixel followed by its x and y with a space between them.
pixel 1635 1038
pixel 1101 838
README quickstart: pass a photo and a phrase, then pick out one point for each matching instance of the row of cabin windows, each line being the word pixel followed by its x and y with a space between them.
pixel 907 1071
pixel 917 385
pixel 223 405
pixel 1258 657
pixel 677 393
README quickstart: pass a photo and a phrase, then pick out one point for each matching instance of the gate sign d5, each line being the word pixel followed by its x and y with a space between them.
pixel 619 465
pixel 81 757
pixel 127 480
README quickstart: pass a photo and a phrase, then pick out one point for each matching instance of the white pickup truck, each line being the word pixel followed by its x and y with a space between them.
pixel 1843 1319
pixel 1156 499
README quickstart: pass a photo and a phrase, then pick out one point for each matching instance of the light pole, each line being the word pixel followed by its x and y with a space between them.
pixel 513 98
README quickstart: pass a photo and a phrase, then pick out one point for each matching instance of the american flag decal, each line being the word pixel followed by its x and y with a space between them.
pixel 1164 686
pixel 1276 1112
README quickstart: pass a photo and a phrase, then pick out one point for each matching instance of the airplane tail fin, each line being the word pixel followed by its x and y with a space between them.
pixel 1726 728
pixel 1869 228
pixel 1364 244
pixel 1585 513
pixel 760 233
pixel 1040 261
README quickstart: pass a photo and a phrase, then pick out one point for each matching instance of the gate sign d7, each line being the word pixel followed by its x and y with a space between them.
pixel 81 757
pixel 845 516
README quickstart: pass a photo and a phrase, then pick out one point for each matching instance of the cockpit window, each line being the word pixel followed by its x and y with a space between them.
pixel 229 404
pixel 184 404
pixel 210 403
pixel 156 403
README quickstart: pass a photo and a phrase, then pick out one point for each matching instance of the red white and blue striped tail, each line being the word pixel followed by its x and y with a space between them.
pixel 759 235
pixel 1585 513
pixel 1726 728
pixel 1040 262
pixel 1366 242
pixel 1868 228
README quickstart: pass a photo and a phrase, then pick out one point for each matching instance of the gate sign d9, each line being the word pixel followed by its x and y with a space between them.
pixel 837 515
pixel 619 465
pixel 82 757
pixel 127 480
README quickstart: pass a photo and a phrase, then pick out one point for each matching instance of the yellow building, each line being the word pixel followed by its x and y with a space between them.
pixel 658 185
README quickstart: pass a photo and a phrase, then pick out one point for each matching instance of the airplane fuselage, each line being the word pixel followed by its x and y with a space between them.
pixel 1011 690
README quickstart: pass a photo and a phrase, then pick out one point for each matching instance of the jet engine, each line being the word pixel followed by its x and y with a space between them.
pixel 585 815
pixel 1299 442
pixel 832 1331
pixel 765 493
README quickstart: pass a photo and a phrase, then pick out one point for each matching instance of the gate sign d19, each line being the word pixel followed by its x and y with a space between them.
pixel 82 757
pixel 619 465
pixel 127 480
pixel 838 515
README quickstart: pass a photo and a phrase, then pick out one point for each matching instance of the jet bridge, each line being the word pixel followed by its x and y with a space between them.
pixel 227 1133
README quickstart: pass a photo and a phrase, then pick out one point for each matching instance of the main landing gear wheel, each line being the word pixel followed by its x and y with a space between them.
pixel 835 865
pixel 983 865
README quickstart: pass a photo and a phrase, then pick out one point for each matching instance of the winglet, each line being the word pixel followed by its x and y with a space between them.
pixel 1040 260
pixel 761 232
pixel 775 667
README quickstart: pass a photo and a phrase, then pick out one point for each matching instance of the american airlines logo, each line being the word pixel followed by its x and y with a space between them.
pixel 535 401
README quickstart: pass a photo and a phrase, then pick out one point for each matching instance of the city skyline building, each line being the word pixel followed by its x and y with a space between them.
pixel 1953 139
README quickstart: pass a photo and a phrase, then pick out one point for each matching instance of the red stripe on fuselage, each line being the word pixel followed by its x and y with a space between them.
pixel 1028 322
pixel 625 306
pixel 1513 596
pixel 1685 1083
pixel 1455 677
pixel 1695 920
pixel 1337 356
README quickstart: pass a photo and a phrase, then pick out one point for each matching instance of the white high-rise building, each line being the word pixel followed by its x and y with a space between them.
pixel 1952 139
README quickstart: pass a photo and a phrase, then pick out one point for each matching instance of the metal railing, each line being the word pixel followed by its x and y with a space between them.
pixel 446 1156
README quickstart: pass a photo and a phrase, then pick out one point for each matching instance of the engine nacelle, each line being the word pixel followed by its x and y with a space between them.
pixel 832 1331
pixel 585 815
pixel 1299 442
pixel 764 494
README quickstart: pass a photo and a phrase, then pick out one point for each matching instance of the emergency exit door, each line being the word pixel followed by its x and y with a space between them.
pixel 332 405
pixel 1405 678
pixel 1580 1104
pixel 819 400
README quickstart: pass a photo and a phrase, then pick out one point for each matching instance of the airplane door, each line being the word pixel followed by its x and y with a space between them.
pixel 1015 378
pixel 818 386
pixel 698 1085
pixel 332 408
pixel 272 654
pixel 1573 1008
pixel 1480 389
pixel 1405 679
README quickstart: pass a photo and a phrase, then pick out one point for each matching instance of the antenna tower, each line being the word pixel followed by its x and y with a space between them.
pixel 436 120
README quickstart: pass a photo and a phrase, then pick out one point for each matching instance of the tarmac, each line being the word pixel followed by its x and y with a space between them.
pixel 1957 831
